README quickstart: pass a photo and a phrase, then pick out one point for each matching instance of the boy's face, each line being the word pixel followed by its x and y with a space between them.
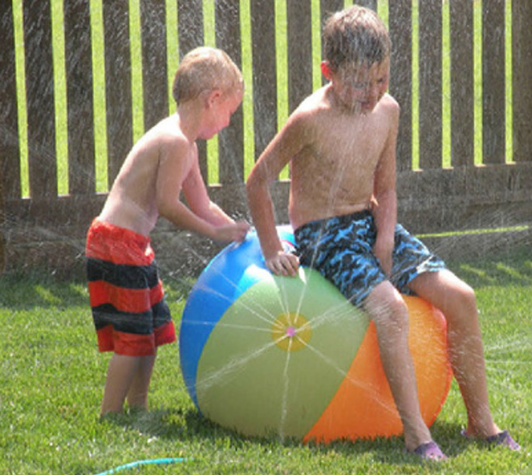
pixel 359 88
pixel 221 107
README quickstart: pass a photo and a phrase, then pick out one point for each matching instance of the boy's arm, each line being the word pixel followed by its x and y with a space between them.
pixel 203 217
pixel 284 146
pixel 385 210
pixel 198 199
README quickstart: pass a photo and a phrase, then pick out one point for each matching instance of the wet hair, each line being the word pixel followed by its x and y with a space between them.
pixel 357 36
pixel 205 69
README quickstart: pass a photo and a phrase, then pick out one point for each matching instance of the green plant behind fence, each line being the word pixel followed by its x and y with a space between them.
pixel 247 67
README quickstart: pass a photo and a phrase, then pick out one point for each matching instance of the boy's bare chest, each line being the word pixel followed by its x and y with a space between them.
pixel 348 146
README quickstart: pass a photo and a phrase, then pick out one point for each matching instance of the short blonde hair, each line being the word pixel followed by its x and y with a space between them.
pixel 355 35
pixel 205 69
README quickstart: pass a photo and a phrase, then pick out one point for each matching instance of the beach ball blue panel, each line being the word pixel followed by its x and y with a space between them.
pixel 228 275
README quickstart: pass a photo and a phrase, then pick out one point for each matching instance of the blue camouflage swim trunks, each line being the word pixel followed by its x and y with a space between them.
pixel 341 249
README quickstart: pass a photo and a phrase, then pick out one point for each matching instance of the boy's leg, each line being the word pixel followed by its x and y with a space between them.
pixel 137 396
pixel 457 302
pixel 120 374
pixel 388 311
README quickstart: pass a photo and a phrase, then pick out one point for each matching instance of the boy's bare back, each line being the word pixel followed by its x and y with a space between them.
pixel 164 153
pixel 163 164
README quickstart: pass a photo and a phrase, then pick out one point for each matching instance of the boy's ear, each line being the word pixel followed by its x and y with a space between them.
pixel 213 96
pixel 326 70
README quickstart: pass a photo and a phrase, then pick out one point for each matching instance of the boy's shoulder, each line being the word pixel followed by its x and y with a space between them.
pixel 166 132
pixel 168 127
pixel 315 102
pixel 310 108
pixel 389 104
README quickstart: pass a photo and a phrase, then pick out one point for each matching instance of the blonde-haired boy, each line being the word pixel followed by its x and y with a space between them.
pixel 130 314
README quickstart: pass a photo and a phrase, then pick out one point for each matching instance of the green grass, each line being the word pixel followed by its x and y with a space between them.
pixel 52 377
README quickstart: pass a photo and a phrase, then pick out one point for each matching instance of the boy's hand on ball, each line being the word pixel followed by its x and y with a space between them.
pixel 232 232
pixel 283 264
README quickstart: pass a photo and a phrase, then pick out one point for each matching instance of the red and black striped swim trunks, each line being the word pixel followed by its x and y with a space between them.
pixel 126 294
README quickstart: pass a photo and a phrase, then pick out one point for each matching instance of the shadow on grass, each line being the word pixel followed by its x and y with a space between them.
pixel 391 450
pixel 20 290
pixel 513 268
pixel 25 291
pixel 190 426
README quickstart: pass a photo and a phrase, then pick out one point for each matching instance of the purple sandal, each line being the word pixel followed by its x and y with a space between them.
pixel 430 451
pixel 504 439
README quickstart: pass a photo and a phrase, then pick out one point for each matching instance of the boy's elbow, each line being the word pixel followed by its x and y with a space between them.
pixel 257 191
pixel 253 183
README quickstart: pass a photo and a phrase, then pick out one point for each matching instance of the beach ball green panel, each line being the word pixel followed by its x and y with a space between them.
pixel 277 356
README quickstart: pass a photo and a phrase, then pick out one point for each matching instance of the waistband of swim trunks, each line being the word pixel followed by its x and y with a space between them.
pixel 119 232
pixel 341 219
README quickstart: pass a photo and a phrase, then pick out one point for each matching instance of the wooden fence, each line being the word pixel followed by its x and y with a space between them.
pixel 47 230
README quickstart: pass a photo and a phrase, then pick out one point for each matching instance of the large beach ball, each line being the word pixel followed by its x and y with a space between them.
pixel 290 356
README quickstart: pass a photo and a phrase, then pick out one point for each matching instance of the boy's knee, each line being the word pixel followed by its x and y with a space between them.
pixel 386 306
pixel 465 296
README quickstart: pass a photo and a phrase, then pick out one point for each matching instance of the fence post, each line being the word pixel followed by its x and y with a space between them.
pixel 400 26
pixel 264 73
pixel 328 8
pixel 9 133
pixel 154 61
pixel 40 99
pixel 299 37
pixel 231 140
pixel 493 78
pixel 119 114
pixel 522 86
pixel 430 84
pixel 462 84
pixel 78 59
pixel 190 30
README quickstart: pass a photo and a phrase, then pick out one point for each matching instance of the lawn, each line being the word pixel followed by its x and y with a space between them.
pixel 51 380
pixel 52 377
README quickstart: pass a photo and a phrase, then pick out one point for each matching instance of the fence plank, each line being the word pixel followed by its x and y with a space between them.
pixel 400 26
pixel 493 78
pixel 231 139
pixel 40 99
pixel 154 61
pixel 430 84
pixel 117 84
pixel 328 8
pixel 190 31
pixel 189 25
pixel 78 59
pixel 462 84
pixel 522 86
pixel 264 73
pixel 9 140
pixel 367 3
pixel 299 38
pixel 9 132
